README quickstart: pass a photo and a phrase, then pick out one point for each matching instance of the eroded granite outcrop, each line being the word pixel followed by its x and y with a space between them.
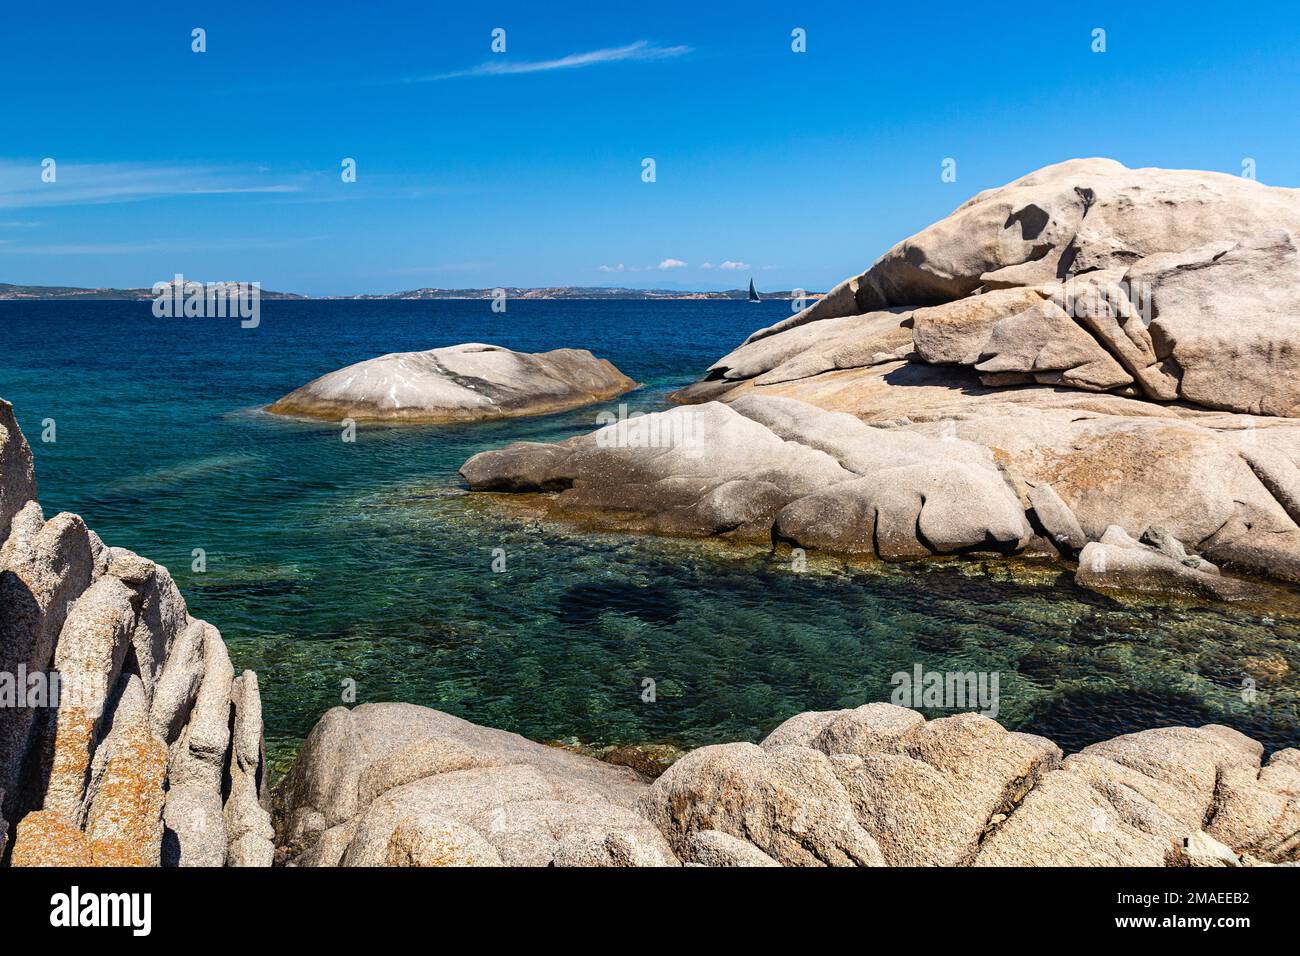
pixel 398 785
pixel 471 382
pixel 133 762
pixel 1115 347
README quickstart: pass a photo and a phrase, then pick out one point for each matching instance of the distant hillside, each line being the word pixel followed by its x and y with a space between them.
pixel 575 292
pixel 8 291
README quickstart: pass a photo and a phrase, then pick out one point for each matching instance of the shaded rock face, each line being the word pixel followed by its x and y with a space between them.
pixel 1120 345
pixel 127 760
pixel 398 785
pixel 470 382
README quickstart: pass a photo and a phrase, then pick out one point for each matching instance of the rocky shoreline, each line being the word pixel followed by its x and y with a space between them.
pixel 1092 363
pixel 147 749
pixel 172 772
pixel 400 785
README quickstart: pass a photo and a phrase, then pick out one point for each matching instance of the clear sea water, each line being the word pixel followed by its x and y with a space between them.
pixel 330 562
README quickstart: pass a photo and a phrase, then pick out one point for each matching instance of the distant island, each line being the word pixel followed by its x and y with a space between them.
pixel 42 292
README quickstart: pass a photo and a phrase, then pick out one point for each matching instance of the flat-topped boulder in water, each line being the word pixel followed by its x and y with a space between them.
pixel 471 382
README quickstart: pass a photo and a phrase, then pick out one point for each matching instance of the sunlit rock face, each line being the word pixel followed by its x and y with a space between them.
pixel 1115 347
pixel 877 785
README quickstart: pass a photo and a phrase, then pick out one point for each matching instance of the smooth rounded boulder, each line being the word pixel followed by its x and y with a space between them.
pixel 461 383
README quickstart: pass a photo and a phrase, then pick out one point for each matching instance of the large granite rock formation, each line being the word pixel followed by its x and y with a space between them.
pixel 1118 346
pixel 133 764
pixel 469 382
pixel 766 465
pixel 398 785
pixel 1174 282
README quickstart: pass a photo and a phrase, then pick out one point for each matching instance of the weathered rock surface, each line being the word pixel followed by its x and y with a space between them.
pixel 101 768
pixel 763 466
pixel 17 477
pixel 471 382
pixel 1209 260
pixel 396 784
pixel 1116 347
pixel 878 785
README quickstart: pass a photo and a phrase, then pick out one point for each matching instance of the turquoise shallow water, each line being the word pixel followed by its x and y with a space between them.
pixel 330 562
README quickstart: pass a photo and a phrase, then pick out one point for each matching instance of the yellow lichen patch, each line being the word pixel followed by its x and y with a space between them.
pixel 48 838
pixel 436 842
pixel 125 822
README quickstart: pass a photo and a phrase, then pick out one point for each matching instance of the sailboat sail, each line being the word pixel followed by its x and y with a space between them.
pixel 753 295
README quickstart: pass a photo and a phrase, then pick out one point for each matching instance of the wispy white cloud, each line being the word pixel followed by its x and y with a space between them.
pixel 735 266
pixel 617 268
pixel 641 50
pixel 122 248
pixel 672 264
pixel 83 184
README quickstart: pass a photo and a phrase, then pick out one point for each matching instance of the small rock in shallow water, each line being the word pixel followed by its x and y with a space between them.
pixel 649 760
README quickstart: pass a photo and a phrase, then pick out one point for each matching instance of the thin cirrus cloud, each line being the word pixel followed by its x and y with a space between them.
pixel 641 50
pixel 729 265
pixel 85 184
pixel 129 247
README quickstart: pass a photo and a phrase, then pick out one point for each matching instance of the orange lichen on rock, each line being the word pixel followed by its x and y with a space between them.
pixel 48 838
pixel 125 822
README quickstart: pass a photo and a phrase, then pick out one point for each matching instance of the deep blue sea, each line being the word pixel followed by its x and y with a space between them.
pixel 330 562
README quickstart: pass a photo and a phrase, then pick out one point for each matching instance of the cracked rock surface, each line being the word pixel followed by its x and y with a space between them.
pixel 470 382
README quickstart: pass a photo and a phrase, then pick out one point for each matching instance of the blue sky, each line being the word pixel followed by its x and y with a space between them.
pixel 524 168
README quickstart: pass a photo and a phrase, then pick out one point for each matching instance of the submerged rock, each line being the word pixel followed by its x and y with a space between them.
pixel 127 764
pixel 1118 562
pixel 471 382
pixel 878 785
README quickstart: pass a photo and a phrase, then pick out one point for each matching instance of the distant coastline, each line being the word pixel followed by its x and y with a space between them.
pixel 63 293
